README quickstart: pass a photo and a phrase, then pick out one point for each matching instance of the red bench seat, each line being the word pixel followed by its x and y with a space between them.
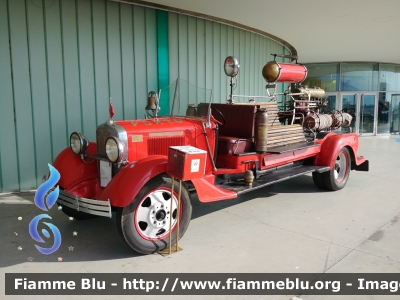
pixel 237 135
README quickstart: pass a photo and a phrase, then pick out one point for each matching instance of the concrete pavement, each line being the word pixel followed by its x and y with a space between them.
pixel 288 227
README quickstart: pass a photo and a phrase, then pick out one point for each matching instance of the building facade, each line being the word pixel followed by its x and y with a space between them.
pixel 368 90
pixel 61 62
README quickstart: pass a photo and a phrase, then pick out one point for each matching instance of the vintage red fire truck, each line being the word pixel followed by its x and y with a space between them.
pixel 248 145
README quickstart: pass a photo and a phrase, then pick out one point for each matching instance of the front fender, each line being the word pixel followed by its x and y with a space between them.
pixel 73 170
pixel 124 187
pixel 331 145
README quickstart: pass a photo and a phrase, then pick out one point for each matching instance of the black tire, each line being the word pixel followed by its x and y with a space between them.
pixel 70 212
pixel 153 203
pixel 318 180
pixel 336 178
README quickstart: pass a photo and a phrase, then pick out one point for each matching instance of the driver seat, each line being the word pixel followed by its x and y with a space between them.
pixel 237 135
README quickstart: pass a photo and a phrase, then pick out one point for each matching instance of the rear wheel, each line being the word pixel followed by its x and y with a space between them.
pixel 318 180
pixel 145 222
pixel 336 178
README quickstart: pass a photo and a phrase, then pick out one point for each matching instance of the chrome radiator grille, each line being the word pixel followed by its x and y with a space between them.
pixel 103 132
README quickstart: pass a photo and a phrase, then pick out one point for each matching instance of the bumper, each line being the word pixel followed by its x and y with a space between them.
pixel 89 206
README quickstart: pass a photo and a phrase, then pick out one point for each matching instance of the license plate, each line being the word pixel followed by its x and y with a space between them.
pixel 105 173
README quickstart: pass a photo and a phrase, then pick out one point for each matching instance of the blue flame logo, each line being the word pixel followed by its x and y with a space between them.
pixel 39 200
pixel 35 235
pixel 45 187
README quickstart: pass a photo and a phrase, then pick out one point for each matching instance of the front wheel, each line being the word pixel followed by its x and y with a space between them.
pixel 336 178
pixel 145 222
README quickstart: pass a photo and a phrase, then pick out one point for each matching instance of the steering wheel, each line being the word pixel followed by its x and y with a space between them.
pixel 221 124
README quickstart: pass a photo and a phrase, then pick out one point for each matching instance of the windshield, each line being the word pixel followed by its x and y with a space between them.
pixel 182 98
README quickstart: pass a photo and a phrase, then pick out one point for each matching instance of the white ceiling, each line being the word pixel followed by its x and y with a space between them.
pixel 320 30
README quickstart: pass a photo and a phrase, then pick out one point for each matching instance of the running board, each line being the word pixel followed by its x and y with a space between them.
pixel 292 147
pixel 272 177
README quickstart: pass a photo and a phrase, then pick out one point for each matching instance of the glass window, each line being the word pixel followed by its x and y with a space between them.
pixel 359 77
pixel 389 113
pixel 389 77
pixel 383 113
pixel 367 114
pixel 325 76
pixel 349 106
pixel 394 113
pixel 329 104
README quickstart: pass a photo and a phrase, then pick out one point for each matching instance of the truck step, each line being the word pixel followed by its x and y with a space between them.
pixel 272 177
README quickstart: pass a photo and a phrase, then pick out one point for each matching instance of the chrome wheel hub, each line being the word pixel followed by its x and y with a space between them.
pixel 340 166
pixel 152 217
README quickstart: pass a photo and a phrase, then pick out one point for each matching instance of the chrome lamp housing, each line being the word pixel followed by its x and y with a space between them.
pixel 78 143
pixel 231 66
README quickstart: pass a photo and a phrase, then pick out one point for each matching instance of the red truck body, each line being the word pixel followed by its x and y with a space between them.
pixel 126 168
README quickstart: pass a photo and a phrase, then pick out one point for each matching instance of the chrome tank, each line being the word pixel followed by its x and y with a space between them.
pixel 281 72
pixel 261 130
pixel 314 93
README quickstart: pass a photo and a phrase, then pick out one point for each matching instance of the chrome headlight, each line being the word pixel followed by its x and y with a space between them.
pixel 115 149
pixel 78 143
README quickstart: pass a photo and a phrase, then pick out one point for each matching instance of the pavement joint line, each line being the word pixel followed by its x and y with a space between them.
pixel 341 259
pixel 383 226
pixel 354 250
pixel 22 193
pixel 380 176
pixel 321 240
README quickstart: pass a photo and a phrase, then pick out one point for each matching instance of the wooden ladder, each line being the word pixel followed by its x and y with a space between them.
pixel 278 135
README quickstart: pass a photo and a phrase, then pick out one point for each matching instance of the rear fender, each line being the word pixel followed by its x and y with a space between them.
pixel 331 145
pixel 124 186
pixel 73 170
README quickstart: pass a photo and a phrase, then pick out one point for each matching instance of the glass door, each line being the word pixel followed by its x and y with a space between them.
pixel 388 114
pixel 330 103
pixel 362 107
pixel 394 113
pixel 367 114
pixel 349 105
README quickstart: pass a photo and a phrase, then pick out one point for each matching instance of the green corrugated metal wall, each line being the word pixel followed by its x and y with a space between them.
pixel 198 48
pixel 60 63
pixel 61 60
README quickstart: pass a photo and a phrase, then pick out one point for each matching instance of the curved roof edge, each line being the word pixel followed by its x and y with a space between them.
pixel 211 18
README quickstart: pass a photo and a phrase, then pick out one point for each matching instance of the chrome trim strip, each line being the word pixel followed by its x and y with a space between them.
pixel 167 133
pixel 89 206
